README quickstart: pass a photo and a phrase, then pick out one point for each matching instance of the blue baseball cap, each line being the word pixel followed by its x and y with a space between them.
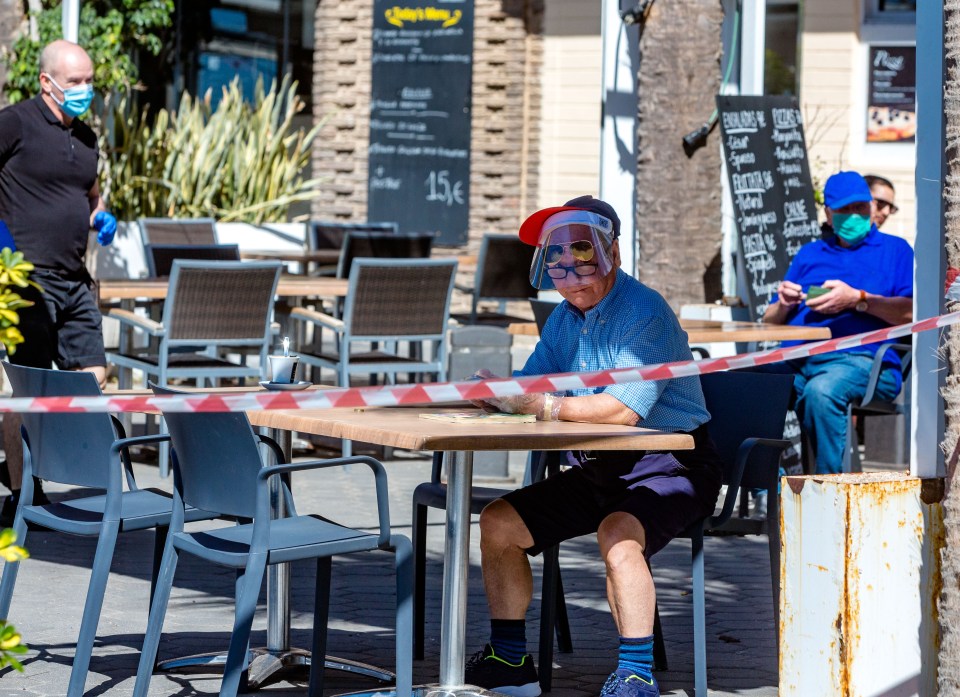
pixel 844 188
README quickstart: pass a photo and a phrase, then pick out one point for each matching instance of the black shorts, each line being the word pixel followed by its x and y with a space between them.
pixel 64 325
pixel 665 491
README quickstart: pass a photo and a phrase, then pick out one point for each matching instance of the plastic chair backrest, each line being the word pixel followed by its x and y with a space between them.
pixel 329 234
pixel 160 257
pixel 178 231
pixel 542 309
pixel 220 301
pixel 382 245
pixel 217 456
pixel 66 448
pixel 746 405
pixel 397 298
pixel 503 268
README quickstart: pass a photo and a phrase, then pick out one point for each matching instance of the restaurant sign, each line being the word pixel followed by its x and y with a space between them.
pixel 419 155
pixel 892 95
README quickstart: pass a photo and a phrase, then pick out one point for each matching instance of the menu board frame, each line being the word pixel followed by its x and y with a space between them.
pixel 892 94
pixel 773 198
pixel 420 117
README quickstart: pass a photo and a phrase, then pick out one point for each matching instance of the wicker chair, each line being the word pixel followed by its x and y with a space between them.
pixel 178 231
pixel 331 234
pixel 388 301
pixel 160 257
pixel 212 307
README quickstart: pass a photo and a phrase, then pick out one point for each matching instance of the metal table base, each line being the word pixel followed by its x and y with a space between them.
pixel 266 665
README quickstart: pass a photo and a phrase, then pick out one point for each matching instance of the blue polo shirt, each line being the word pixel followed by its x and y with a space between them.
pixel 631 326
pixel 881 264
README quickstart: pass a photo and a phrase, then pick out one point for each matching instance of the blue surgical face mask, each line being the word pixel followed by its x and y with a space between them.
pixel 851 227
pixel 76 100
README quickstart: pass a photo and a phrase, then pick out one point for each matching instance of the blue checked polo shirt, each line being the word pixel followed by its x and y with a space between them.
pixel 632 326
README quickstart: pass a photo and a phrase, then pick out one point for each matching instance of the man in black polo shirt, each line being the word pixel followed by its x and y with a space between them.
pixel 50 199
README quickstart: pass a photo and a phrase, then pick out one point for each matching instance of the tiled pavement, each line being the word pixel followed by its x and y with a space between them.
pixel 47 605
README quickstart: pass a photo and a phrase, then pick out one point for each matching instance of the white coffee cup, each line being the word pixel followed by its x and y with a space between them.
pixel 283 369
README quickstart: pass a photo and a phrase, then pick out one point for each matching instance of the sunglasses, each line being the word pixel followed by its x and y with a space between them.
pixel 881 204
pixel 581 250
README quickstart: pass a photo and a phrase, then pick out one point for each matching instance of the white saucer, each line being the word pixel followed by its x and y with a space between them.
pixel 285 386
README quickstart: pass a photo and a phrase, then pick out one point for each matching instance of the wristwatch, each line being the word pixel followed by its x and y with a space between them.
pixel 862 305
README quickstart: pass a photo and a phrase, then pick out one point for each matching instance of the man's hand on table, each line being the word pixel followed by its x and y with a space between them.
pixel 545 406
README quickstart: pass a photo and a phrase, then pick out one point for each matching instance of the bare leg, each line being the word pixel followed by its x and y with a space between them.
pixel 507 578
pixel 13 446
pixel 630 589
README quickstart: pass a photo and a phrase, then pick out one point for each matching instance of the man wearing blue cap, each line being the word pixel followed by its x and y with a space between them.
pixel 636 502
pixel 857 280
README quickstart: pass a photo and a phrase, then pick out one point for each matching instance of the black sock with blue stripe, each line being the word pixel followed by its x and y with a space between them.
pixel 508 639
pixel 636 656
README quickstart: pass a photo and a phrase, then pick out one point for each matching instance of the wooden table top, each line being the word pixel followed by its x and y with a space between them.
pixel 157 288
pixel 402 427
pixel 707 331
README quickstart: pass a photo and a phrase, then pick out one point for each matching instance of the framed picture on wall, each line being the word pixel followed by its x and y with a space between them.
pixel 892 94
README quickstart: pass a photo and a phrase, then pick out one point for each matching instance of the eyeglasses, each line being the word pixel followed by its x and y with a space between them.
pixel 881 204
pixel 582 250
pixel 559 272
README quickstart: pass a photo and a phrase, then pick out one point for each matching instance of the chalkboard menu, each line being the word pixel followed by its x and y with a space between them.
pixel 773 204
pixel 892 96
pixel 419 154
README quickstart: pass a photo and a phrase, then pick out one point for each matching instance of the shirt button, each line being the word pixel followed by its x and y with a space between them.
pixel 584 331
pixel 583 364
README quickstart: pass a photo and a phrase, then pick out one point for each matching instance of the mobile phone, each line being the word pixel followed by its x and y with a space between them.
pixel 816 292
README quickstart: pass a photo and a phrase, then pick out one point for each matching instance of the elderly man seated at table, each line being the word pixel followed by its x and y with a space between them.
pixel 636 502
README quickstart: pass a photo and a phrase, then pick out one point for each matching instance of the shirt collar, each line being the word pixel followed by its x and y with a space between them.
pixel 47 113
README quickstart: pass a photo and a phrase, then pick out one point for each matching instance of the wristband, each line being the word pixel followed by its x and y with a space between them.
pixel 547 413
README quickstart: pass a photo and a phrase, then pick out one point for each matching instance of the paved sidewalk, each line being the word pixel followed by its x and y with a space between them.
pixel 47 605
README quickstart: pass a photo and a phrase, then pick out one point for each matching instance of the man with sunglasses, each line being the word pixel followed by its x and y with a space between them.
pixel 858 280
pixel 636 502
pixel 883 198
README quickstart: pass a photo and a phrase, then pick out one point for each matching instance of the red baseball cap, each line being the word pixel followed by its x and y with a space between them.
pixel 531 227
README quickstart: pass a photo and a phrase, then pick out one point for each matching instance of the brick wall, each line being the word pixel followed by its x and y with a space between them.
pixel 506 98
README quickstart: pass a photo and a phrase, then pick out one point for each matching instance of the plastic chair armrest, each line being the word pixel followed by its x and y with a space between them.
pixel 136 321
pixel 740 465
pixel 321 318
pixel 379 473
pixel 900 349
pixel 279 457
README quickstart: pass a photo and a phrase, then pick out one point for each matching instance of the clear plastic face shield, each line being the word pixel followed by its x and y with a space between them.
pixel 574 250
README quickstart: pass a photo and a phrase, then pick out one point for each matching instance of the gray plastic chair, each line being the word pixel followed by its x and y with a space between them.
pixel 86 450
pixel 212 307
pixel 503 272
pixel 213 449
pixel 747 414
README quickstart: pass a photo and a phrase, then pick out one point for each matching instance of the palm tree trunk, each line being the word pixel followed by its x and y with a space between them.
pixel 949 606
pixel 678 198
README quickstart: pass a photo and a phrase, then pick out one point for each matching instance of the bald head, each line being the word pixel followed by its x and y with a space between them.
pixel 61 56
pixel 64 66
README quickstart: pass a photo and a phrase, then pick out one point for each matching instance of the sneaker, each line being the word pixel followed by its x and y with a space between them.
pixel 623 683
pixel 490 672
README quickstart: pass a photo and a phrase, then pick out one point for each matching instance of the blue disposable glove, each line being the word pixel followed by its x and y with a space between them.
pixel 106 226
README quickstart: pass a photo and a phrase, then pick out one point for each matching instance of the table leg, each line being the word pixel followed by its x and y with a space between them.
pixel 453 622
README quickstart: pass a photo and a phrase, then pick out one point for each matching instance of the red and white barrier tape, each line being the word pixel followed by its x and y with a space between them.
pixel 437 393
